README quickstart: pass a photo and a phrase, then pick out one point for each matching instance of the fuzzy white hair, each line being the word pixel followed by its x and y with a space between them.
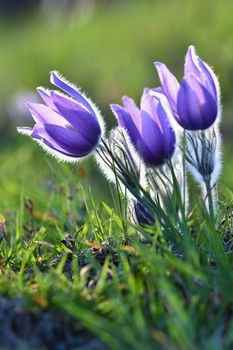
pixel 121 147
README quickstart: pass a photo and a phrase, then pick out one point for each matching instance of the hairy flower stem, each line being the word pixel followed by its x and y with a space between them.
pixel 203 159
pixel 211 200
pixel 184 168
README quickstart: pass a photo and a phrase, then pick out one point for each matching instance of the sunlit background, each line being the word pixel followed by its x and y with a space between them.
pixel 107 47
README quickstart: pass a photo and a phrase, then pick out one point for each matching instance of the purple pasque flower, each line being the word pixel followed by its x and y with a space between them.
pixel 68 126
pixel 142 215
pixel 148 127
pixel 196 101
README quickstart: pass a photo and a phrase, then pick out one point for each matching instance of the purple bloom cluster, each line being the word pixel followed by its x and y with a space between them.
pixel 70 126
pixel 194 104
pixel 138 152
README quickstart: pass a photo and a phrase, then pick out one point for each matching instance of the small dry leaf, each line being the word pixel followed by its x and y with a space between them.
pixel 35 286
pixel 81 171
pixel 93 245
pixel 43 302
pixel 130 249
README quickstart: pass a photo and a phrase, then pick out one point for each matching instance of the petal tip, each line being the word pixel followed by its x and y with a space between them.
pixel 124 98
pixel 191 47
pixel 53 75
pixel 114 107
pixel 158 64
pixel 28 104
pixel 40 88
pixel 42 91
pixel 54 72
pixel 146 91
pixel 191 54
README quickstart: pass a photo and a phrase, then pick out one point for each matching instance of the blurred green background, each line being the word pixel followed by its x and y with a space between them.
pixel 108 48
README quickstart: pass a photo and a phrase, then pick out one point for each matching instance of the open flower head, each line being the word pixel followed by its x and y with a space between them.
pixel 148 127
pixel 196 101
pixel 68 126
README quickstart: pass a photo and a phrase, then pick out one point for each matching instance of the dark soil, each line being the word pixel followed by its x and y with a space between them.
pixel 21 330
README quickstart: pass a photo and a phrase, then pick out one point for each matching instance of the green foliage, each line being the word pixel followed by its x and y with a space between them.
pixel 73 255
pixel 174 292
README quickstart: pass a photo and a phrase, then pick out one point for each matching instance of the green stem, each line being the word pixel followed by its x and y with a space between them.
pixel 184 170
pixel 209 197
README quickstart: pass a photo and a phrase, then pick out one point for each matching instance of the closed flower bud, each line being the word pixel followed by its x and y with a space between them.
pixel 196 101
pixel 139 215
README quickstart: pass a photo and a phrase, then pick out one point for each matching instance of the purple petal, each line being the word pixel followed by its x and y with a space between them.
pixel 191 65
pixel 210 80
pixel 157 90
pixel 63 140
pixel 71 90
pixel 159 144
pixel 169 83
pixel 125 121
pixel 168 132
pixel 83 121
pixel 194 65
pixel 133 110
pixel 152 148
pixel 149 105
pixel 197 109
pixel 46 97
pixel 144 217
pixel 44 114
